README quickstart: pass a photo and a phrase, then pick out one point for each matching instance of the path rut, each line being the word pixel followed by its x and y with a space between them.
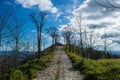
pixel 60 68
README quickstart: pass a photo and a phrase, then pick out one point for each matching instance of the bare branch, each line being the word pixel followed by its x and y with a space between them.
pixel 110 4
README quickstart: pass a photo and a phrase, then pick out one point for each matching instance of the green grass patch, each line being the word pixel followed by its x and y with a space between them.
pixel 103 69
pixel 28 70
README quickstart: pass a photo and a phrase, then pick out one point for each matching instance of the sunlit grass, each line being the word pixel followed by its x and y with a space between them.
pixel 102 69
pixel 29 69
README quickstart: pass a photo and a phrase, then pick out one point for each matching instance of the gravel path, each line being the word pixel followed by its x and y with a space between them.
pixel 60 68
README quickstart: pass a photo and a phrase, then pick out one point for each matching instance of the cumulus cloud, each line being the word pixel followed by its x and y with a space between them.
pixel 96 14
pixel 33 31
pixel 111 35
pixel 44 5
pixel 103 19
pixel 116 41
pixel 61 28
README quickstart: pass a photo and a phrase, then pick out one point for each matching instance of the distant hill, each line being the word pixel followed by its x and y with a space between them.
pixel 11 52
pixel 115 52
pixel 8 54
pixel 59 44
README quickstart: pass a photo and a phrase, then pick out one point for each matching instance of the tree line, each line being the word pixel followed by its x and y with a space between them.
pixel 14 39
pixel 84 40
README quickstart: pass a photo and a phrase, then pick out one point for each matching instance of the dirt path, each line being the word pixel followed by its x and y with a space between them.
pixel 60 68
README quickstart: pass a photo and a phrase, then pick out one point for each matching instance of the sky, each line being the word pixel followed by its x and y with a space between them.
pixel 64 12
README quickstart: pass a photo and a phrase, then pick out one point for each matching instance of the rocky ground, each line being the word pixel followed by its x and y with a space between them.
pixel 60 68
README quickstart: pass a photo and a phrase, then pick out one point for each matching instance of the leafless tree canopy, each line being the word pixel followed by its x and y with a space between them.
pixel 53 32
pixel 39 21
pixel 110 3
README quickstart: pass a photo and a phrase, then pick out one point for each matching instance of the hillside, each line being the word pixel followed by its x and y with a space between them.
pixel 27 71
pixel 102 69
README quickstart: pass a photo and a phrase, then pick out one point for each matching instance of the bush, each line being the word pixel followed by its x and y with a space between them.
pixel 4 77
pixel 17 75
pixel 28 70
pixel 74 57
pixel 31 73
pixel 31 67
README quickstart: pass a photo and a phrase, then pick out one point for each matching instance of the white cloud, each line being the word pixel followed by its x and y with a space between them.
pixel 68 17
pixel 61 28
pixel 96 14
pixel 92 13
pixel 44 5
pixel 33 31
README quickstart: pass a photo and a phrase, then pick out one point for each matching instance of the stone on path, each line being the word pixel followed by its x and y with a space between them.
pixel 59 69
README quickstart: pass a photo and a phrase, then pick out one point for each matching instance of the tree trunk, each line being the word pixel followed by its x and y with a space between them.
pixel 38 43
pixel 69 45
pixel 16 52
pixel 52 41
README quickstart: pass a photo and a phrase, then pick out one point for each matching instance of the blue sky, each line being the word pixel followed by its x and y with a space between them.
pixel 57 11
pixel 64 12
pixel 54 19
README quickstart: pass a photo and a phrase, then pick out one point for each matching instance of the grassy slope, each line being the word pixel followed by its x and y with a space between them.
pixel 28 70
pixel 103 69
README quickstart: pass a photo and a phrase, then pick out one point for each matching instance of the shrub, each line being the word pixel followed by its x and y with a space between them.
pixel 17 75
pixel 4 77
pixel 28 70
pixel 103 69
pixel 31 73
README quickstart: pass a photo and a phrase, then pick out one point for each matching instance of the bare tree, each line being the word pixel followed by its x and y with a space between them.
pixel 8 42
pixel 80 32
pixel 17 33
pixel 26 44
pixel 34 46
pixel 92 36
pixel 106 43
pixel 52 31
pixel 39 21
pixel 6 14
pixel 57 38
pixel 90 40
pixel 64 36
pixel 110 3
pixel 67 34
pixel 44 41
pixel 4 19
